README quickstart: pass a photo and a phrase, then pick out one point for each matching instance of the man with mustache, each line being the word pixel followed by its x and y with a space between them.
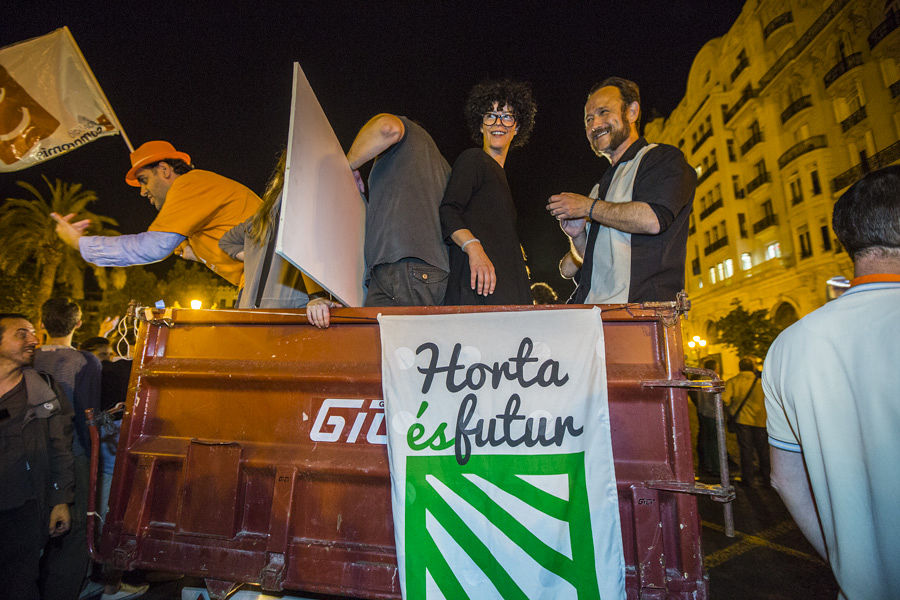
pixel 35 460
pixel 630 233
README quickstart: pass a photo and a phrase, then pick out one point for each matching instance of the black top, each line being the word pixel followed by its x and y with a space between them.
pixel 666 182
pixel 16 487
pixel 477 198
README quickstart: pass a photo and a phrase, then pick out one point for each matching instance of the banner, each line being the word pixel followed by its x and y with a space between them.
pixel 50 102
pixel 323 218
pixel 502 476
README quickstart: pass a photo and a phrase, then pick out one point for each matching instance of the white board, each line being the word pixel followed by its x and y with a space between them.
pixel 322 225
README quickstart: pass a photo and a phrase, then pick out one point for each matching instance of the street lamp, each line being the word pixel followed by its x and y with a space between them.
pixel 195 304
pixel 695 343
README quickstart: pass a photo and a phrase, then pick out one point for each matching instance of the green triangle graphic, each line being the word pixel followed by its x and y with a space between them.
pixel 422 553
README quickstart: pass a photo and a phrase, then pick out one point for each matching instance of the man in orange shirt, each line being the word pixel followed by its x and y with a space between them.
pixel 195 209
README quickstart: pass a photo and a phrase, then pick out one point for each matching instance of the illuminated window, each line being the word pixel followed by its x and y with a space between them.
pixel 746 261
pixel 729 267
pixel 712 274
pixel 773 250
pixel 721 271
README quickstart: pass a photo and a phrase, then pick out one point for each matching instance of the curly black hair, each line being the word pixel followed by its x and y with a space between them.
pixel 516 94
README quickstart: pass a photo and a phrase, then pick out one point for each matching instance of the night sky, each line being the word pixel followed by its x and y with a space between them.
pixel 214 78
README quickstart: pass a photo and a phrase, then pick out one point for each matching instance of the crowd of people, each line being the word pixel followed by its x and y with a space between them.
pixel 437 234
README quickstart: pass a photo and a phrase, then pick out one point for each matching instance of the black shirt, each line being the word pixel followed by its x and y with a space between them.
pixel 15 480
pixel 666 182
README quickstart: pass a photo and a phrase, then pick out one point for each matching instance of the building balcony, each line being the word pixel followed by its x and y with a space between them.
pixel 743 64
pixel 856 172
pixel 853 119
pixel 800 148
pixel 884 28
pixel 845 64
pixel 749 93
pixel 795 107
pixel 895 89
pixel 719 243
pixel 709 171
pixel 758 181
pixel 703 138
pixel 764 223
pixel 777 23
pixel 711 209
pixel 756 138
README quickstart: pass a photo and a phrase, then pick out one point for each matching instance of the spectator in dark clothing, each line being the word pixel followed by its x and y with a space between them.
pixel 35 460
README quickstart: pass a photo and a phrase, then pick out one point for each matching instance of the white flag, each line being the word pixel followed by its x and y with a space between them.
pixel 502 476
pixel 50 102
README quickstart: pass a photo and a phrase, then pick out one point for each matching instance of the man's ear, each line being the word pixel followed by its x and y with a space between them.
pixel 634 111
pixel 165 170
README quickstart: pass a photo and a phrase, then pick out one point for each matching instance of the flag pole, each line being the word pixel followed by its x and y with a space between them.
pixel 115 119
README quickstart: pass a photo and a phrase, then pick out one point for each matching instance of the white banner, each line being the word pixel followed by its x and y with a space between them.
pixel 50 102
pixel 502 475
pixel 323 218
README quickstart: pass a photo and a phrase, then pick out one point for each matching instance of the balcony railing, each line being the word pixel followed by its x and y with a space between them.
pixel 884 28
pixel 756 138
pixel 742 64
pixel 895 89
pixel 758 181
pixel 845 64
pixel 853 119
pixel 706 135
pixel 800 148
pixel 711 209
pixel 820 23
pixel 795 107
pixel 749 92
pixel 709 171
pixel 719 243
pixel 877 161
pixel 764 223
pixel 777 23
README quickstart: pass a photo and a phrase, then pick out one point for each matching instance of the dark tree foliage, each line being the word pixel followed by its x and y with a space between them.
pixel 749 333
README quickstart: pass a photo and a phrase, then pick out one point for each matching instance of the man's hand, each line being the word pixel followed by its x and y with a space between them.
pixel 572 227
pixel 569 206
pixel 107 326
pixel 484 278
pixel 318 312
pixel 70 232
pixel 60 520
pixel 359 182
pixel 187 253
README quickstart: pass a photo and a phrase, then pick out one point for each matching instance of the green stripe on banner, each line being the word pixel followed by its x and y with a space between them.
pixel 502 471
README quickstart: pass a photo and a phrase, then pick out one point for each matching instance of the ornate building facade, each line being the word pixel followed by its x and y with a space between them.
pixel 781 115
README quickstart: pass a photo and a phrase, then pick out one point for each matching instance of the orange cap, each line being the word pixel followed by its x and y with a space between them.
pixel 148 153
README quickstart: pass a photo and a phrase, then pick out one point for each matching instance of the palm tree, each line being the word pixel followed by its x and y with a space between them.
pixel 30 241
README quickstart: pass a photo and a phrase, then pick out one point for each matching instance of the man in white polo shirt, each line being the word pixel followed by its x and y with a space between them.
pixel 832 386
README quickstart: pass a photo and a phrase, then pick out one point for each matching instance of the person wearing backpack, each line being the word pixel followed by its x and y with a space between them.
pixel 746 404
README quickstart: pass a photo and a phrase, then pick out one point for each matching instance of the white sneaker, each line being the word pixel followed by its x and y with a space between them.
pixel 127 592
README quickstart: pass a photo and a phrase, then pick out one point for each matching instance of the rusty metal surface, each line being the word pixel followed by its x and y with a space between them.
pixel 229 467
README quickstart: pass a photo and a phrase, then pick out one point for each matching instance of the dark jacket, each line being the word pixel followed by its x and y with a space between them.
pixel 47 436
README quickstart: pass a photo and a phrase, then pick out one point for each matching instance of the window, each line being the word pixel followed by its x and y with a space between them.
pixel 746 261
pixel 712 274
pixel 814 179
pixel 760 168
pixel 805 245
pixel 728 267
pixel 754 128
pixel 717 191
pixel 708 239
pixel 736 183
pixel 796 190
pixel 720 271
pixel 742 224
pixel 731 155
pixel 767 208
pixel 826 238
pixel 773 250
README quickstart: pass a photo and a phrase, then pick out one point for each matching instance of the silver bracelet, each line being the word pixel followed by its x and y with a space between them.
pixel 467 242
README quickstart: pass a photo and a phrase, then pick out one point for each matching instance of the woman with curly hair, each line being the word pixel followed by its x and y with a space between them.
pixel 478 216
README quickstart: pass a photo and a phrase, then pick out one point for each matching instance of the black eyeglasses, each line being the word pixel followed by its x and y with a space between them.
pixel 506 119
